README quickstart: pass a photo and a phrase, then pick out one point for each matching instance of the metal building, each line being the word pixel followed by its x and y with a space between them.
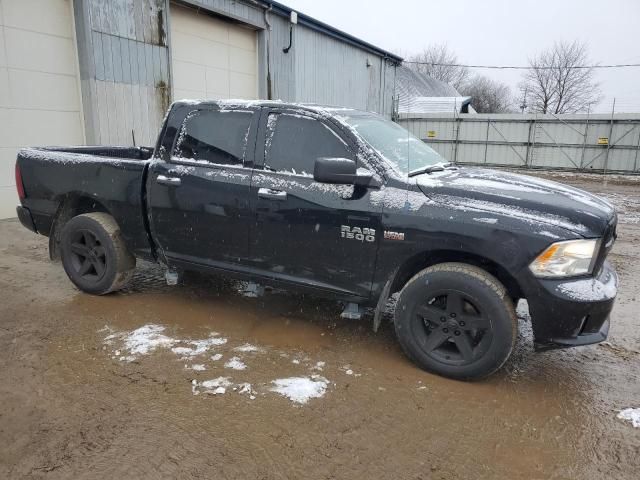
pixel 105 71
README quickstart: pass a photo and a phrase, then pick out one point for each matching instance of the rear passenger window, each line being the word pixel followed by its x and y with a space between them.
pixel 294 142
pixel 210 136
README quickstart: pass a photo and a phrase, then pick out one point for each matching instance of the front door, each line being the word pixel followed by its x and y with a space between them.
pixel 317 234
pixel 199 200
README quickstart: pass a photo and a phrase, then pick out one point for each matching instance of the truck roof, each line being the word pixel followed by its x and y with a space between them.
pixel 312 107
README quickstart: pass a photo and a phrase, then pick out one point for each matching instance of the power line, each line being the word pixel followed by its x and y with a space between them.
pixel 511 67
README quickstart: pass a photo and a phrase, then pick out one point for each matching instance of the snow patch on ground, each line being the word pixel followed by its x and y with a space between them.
pixel 248 348
pixel 141 341
pixel 199 347
pixel 130 345
pixel 148 338
pixel 631 415
pixel 349 371
pixel 301 389
pixel 220 385
pixel 235 363
pixel 217 386
pixel 319 366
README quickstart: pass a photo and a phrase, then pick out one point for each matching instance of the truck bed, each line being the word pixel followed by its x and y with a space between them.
pixel 111 178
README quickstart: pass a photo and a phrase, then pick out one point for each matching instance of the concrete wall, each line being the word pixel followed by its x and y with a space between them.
pixel 534 141
pixel 39 91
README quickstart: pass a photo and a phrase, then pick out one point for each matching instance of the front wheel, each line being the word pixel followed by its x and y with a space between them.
pixel 94 254
pixel 456 320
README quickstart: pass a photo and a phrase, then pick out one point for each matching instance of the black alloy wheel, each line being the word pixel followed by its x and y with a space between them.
pixel 94 253
pixel 88 256
pixel 455 330
pixel 456 320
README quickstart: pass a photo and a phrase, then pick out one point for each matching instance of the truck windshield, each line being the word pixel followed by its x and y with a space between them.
pixel 395 144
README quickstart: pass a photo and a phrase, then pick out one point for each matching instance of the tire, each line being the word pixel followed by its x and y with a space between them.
pixel 456 320
pixel 94 254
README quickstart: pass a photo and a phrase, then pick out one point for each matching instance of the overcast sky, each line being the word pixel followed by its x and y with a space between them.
pixel 500 32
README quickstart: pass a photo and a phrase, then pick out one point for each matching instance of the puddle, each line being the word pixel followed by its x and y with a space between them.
pixel 147 340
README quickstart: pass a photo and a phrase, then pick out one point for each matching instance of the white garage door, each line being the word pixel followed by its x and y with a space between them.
pixel 211 58
pixel 39 90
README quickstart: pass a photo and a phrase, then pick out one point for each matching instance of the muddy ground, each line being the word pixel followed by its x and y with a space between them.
pixel 73 405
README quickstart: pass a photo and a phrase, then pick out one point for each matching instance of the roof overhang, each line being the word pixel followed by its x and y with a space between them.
pixel 310 22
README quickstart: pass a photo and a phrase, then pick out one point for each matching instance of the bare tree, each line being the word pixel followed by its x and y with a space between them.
pixel 488 95
pixel 556 81
pixel 438 62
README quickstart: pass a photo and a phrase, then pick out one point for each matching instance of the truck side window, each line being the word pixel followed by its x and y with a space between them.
pixel 294 142
pixel 210 136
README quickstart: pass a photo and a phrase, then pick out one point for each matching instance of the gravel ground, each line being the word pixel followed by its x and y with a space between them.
pixel 201 381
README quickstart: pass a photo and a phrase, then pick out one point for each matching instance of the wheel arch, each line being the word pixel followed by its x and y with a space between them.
pixel 424 260
pixel 71 205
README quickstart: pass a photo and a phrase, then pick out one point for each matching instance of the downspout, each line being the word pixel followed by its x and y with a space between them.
pixel 381 86
pixel 266 12
pixel 266 21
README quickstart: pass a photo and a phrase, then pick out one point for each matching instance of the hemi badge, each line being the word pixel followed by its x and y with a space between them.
pixel 388 235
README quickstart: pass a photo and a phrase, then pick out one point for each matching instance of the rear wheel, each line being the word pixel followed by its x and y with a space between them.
pixel 94 254
pixel 456 320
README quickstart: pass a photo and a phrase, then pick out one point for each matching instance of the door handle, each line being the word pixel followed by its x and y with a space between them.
pixel 171 181
pixel 271 194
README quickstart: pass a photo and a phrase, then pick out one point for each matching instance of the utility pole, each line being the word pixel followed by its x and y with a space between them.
pixel 523 105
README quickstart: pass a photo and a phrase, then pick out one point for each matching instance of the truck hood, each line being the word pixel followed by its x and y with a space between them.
pixel 520 196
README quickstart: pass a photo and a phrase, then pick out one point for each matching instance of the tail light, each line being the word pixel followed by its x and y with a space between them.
pixel 19 184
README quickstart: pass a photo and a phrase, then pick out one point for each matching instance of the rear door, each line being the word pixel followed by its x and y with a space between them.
pixel 300 228
pixel 199 198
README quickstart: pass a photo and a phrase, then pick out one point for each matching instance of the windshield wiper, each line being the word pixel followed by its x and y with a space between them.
pixel 438 167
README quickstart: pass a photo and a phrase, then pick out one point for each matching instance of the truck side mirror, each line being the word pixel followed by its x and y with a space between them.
pixel 340 171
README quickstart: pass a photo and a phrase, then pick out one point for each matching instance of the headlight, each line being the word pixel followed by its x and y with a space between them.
pixel 565 259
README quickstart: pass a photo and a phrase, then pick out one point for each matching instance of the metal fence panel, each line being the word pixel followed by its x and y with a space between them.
pixel 578 142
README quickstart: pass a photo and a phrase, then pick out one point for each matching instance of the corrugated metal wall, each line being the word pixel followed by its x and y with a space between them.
pixel 318 68
pixel 124 69
pixel 534 141
pixel 333 72
pixel 282 65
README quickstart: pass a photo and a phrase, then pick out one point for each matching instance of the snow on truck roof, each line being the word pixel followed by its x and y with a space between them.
pixel 313 107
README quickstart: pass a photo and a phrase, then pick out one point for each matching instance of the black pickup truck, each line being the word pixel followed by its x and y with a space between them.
pixel 340 203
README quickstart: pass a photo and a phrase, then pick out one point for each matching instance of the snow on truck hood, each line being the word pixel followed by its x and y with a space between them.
pixel 504 193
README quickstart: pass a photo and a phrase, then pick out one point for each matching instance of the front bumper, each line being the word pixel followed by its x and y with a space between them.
pixel 574 312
